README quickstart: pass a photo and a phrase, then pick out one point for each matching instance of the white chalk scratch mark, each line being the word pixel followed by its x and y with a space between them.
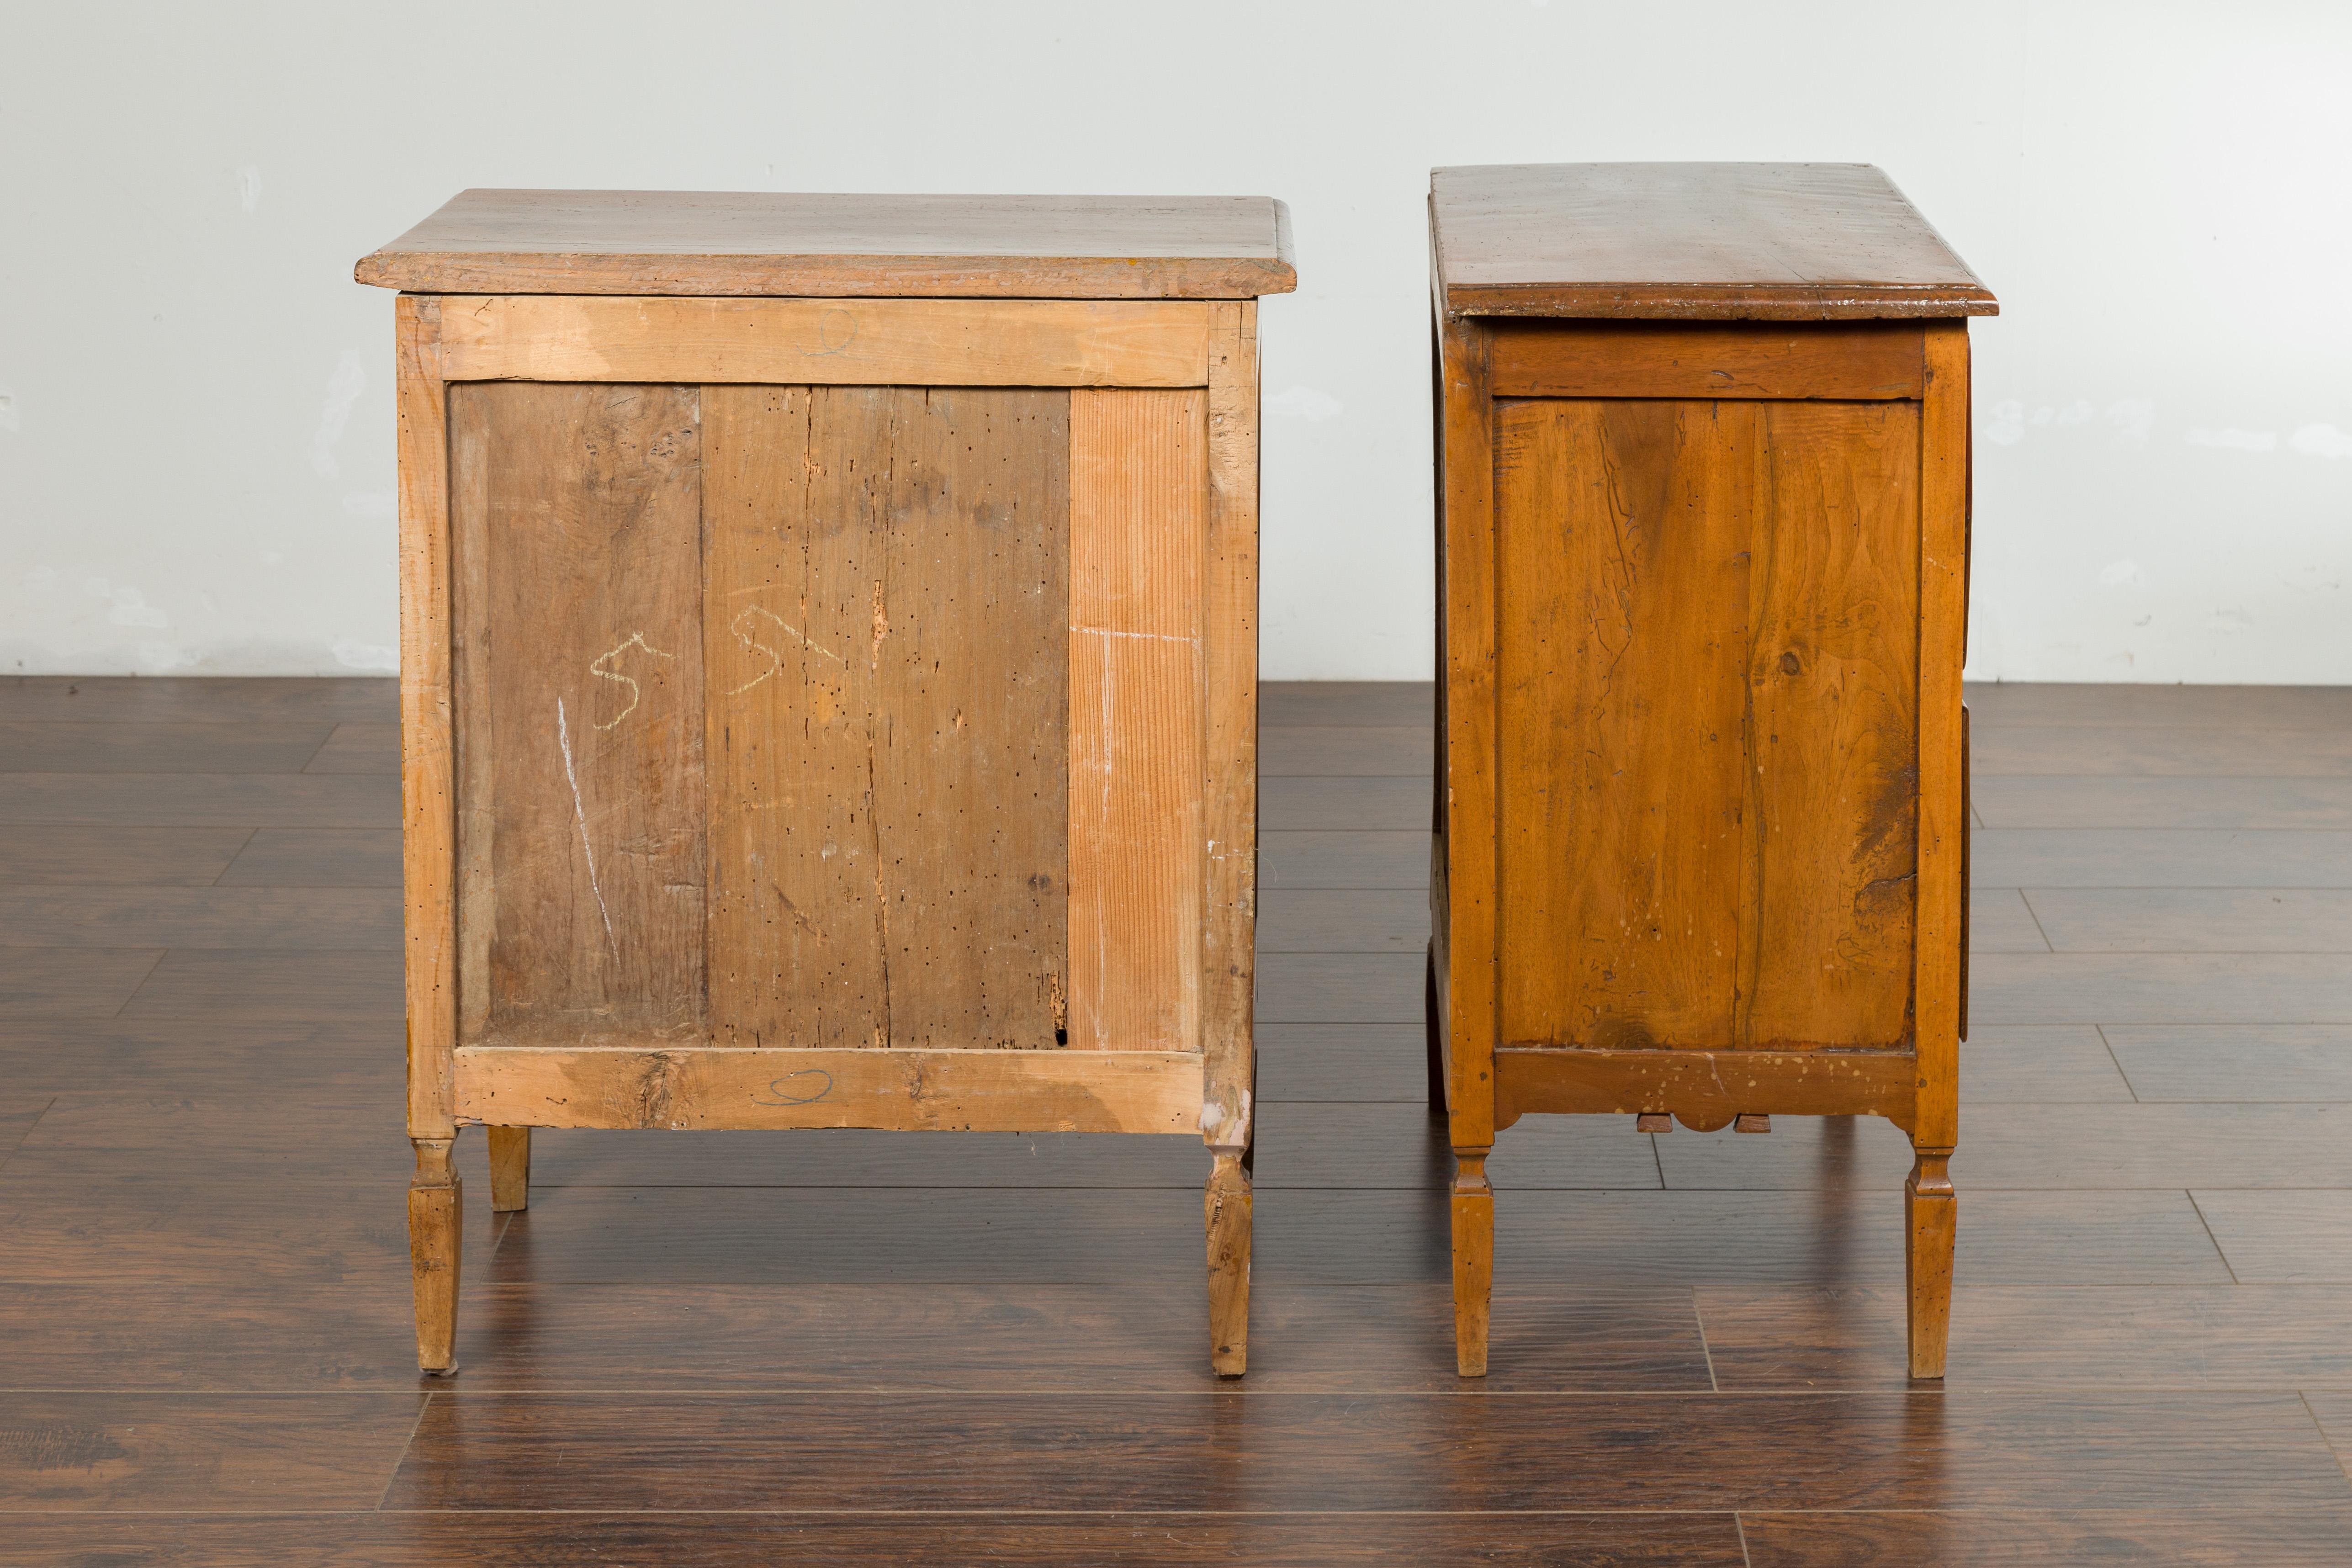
pixel 775 659
pixel 637 693
pixel 1134 637
pixel 580 815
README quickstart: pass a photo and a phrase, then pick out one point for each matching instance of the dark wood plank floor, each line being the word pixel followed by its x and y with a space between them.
pixel 736 1348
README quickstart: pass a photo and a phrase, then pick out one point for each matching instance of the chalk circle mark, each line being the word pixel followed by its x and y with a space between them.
pixel 836 331
pixel 779 1094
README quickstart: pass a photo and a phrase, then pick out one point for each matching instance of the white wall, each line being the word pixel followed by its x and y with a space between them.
pixel 195 444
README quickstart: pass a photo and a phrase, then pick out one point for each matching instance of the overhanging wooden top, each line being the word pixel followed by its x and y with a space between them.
pixel 767 243
pixel 1696 241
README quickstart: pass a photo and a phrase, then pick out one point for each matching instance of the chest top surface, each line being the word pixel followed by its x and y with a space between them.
pixel 1691 241
pixel 843 245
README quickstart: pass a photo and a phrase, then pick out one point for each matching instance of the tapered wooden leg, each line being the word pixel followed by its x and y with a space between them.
pixel 509 1169
pixel 1930 1210
pixel 1473 1260
pixel 437 1214
pixel 1227 1205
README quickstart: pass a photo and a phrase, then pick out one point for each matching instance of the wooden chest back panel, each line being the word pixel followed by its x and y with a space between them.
pixel 941 649
pixel 575 512
pixel 888 713
pixel 1708 671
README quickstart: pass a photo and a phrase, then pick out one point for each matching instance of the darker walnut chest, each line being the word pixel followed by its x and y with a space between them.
pixel 1701 807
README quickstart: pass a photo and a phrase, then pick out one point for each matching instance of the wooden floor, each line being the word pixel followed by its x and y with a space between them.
pixel 788 1348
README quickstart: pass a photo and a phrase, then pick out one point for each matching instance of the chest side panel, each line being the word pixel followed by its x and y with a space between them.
pixel 1707 678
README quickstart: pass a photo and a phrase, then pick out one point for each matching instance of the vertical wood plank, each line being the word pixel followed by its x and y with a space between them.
pixel 1832 737
pixel 1471 842
pixel 888 569
pixel 1624 576
pixel 476 755
pixel 584 505
pixel 427 776
pixel 796 897
pixel 1139 490
pixel 971 691
pixel 1943 630
pixel 1229 621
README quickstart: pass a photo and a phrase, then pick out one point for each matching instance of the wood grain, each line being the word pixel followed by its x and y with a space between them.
pixel 317 858
pixel 2094 802
pixel 73 982
pixel 1706 1089
pixel 972 700
pixel 779 243
pixel 1707 734
pixel 245 917
pixel 797 893
pixel 1756 241
pixel 358 749
pixel 1319 920
pixel 868 342
pixel 428 776
pixel 2093 1311
pixel 437 1230
pixel 1960 1538
pixel 90 1453
pixel 577 512
pixel 2033 1336
pixel 2094 856
pixel 2261 1062
pixel 204 699
pixel 1833 734
pixel 1157 1452
pixel 84 856
pixel 199 800
pixel 1624 538
pixel 1360 804
pixel 1376 703
pixel 1944 849
pixel 1853 360
pixel 1465 873
pixel 987 1089
pixel 1230 740
pixel 1016 1540
pixel 509 1168
pixel 1137 544
pixel 55 746
pixel 1225 1205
